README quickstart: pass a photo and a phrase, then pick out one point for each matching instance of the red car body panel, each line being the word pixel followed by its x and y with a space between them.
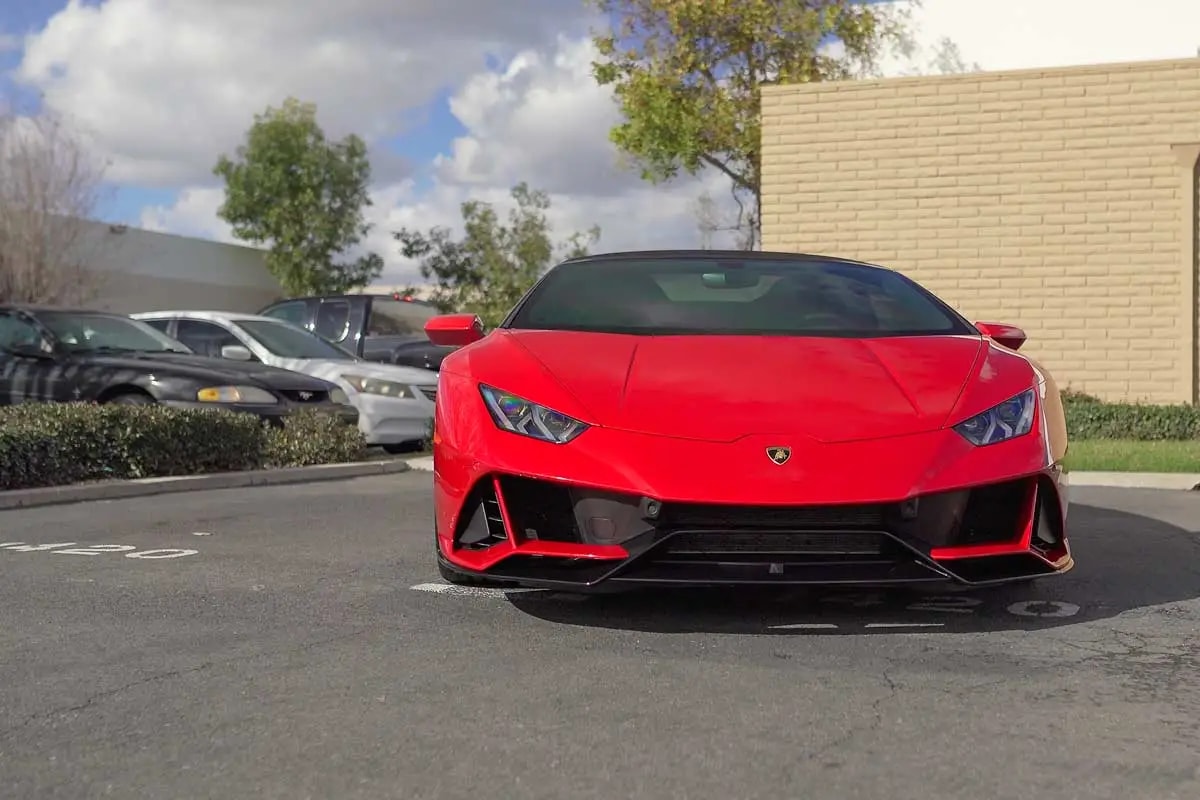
pixel 689 420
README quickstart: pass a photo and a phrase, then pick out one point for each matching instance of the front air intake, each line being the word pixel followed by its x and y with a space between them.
pixel 482 525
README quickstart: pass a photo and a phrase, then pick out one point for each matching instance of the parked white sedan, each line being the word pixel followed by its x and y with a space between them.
pixel 395 403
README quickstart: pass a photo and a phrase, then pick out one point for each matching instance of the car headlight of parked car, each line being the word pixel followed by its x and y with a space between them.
pixel 336 395
pixel 362 383
pixel 518 415
pixel 1007 420
pixel 248 395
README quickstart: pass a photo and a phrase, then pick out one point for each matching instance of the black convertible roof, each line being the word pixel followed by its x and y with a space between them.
pixel 719 255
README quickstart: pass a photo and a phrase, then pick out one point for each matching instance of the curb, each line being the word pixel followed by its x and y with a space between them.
pixel 1136 480
pixel 422 464
pixel 145 487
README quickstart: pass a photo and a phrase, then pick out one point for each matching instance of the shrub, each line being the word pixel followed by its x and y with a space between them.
pixel 308 438
pixel 1090 418
pixel 52 444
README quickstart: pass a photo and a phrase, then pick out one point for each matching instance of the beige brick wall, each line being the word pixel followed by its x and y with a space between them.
pixel 1050 199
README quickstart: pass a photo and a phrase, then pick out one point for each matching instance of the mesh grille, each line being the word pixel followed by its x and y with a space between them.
pixel 696 515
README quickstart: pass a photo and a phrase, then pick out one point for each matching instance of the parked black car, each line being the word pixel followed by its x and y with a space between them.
pixel 63 355
pixel 378 327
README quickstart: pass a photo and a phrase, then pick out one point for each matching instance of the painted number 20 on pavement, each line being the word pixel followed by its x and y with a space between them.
pixel 69 549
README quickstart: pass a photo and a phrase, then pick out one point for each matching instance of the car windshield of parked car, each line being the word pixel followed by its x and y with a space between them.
pixel 287 341
pixel 79 331
pixel 391 317
pixel 729 296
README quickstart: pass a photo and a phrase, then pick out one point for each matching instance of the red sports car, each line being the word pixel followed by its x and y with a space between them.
pixel 707 418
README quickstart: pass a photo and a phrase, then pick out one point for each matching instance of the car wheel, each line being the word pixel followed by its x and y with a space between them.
pixel 131 399
pixel 403 447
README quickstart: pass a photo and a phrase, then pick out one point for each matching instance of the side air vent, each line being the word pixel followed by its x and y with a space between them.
pixel 484 524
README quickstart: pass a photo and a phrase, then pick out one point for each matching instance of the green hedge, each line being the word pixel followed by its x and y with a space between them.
pixel 53 444
pixel 1089 418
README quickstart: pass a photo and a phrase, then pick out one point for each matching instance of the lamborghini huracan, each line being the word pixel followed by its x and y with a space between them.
pixel 702 418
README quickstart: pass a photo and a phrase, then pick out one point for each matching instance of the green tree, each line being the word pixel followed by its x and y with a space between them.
pixel 488 270
pixel 688 76
pixel 303 197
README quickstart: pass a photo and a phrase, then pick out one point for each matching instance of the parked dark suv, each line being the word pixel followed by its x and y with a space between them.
pixel 378 327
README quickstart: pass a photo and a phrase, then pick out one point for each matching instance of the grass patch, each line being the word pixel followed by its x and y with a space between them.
pixel 1127 455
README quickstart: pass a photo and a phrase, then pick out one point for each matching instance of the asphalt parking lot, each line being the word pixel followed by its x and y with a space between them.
pixel 296 642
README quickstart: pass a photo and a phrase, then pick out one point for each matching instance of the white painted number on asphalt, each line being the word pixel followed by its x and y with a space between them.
pixel 855 599
pixel 94 550
pixel 950 604
pixel 21 547
pixel 946 604
pixel 1043 608
pixel 153 554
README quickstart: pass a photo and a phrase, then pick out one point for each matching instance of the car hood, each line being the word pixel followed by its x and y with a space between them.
pixel 333 369
pixel 207 369
pixel 720 388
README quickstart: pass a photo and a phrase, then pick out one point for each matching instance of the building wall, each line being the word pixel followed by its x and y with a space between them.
pixel 1060 200
pixel 138 270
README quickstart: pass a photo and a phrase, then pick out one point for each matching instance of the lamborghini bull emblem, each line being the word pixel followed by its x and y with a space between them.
pixel 779 455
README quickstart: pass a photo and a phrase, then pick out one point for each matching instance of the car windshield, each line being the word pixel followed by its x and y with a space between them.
pixel 390 317
pixel 801 296
pixel 288 341
pixel 81 331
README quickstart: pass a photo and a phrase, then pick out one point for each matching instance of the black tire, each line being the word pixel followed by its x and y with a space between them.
pixel 401 448
pixel 131 399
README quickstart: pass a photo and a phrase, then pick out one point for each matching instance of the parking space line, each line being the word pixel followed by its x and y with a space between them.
pixel 470 591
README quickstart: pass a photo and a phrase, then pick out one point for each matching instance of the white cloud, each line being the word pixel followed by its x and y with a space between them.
pixel 194 213
pixel 1020 34
pixel 541 119
pixel 168 83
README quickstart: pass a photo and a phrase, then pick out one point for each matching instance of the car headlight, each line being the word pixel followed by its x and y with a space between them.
pixel 518 415
pixel 336 395
pixel 235 394
pixel 362 383
pixel 1008 420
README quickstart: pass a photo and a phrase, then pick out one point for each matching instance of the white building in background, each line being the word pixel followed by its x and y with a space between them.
pixel 139 270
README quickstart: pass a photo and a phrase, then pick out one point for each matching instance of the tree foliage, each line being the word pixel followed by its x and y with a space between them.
pixel 494 263
pixel 688 75
pixel 50 185
pixel 303 197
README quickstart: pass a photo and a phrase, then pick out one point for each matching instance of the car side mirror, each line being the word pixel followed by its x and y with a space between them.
pixel 236 352
pixel 454 330
pixel 1009 336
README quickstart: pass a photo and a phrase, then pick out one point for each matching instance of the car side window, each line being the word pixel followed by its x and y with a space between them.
pixel 161 324
pixel 294 311
pixel 333 320
pixel 18 333
pixel 205 338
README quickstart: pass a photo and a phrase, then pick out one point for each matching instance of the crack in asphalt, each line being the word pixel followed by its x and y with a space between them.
pixel 175 673
pixel 876 721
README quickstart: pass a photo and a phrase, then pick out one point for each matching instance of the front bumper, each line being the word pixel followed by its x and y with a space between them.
pixel 393 420
pixel 545 534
